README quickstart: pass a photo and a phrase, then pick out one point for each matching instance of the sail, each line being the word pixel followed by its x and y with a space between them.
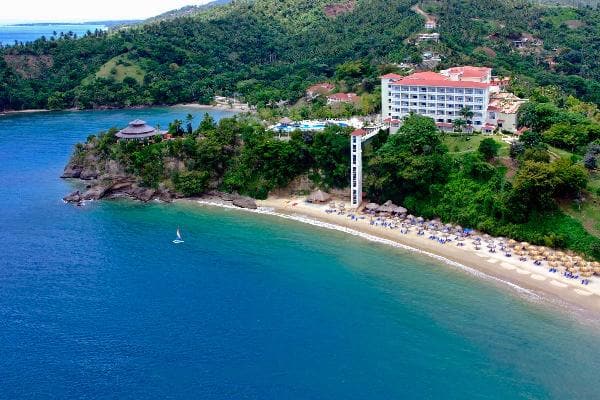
pixel 178 234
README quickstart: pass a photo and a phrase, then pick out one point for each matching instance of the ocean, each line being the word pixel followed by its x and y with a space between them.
pixel 28 33
pixel 96 302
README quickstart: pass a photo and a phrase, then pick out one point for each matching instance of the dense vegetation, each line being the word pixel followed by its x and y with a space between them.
pixel 271 50
pixel 412 167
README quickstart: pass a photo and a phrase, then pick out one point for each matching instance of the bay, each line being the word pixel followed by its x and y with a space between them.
pixel 96 302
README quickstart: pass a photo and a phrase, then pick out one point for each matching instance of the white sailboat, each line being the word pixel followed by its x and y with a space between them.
pixel 178 240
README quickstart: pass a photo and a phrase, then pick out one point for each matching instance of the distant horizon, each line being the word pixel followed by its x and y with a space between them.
pixel 81 12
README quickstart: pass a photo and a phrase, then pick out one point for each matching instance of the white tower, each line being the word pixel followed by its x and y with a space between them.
pixel 356 166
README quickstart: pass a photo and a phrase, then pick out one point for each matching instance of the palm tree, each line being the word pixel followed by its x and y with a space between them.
pixel 467 114
pixel 459 123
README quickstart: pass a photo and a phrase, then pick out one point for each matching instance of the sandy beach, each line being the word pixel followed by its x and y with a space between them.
pixel 233 108
pixel 524 277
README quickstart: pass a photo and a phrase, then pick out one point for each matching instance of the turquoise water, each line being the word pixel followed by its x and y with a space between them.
pixel 96 302
pixel 28 33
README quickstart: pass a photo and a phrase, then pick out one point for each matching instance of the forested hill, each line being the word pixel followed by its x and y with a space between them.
pixel 187 11
pixel 269 50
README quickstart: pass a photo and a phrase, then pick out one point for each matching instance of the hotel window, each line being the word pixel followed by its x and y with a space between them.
pixel 405 88
pixel 441 90
pixel 449 112
pixel 441 97
pixel 478 99
pixel 477 122
pixel 478 91
pixel 414 89
pixel 449 90
pixel 478 107
pixel 458 98
pixel 449 97
pixel 469 99
pixel 459 91
pixel 423 89
pixel 431 97
pixel 423 104
pixel 469 91
pixel 414 96
pixel 413 104
pixel 423 97
pixel 440 120
pixel 404 96
pixel 405 110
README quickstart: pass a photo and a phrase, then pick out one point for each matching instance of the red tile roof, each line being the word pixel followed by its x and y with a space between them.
pixel 469 71
pixel 435 79
pixel 359 132
pixel 391 76
pixel 347 97
pixel 321 87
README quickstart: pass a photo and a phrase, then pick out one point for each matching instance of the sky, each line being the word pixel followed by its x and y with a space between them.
pixel 20 11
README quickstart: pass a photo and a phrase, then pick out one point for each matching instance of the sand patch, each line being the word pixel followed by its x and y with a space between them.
pixel 582 292
pixel 558 284
pixel 538 277
pixel 508 266
pixel 522 271
pixel 492 260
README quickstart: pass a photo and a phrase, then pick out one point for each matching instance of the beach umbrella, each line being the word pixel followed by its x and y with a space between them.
pixel 372 206
pixel 318 197
pixel 285 121
pixel 420 219
pixel 512 242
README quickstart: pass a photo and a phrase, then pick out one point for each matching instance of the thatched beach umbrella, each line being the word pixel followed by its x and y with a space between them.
pixel 512 242
pixel 318 197
pixel 285 121
pixel 372 206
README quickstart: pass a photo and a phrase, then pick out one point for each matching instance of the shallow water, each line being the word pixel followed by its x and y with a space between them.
pixel 28 33
pixel 97 302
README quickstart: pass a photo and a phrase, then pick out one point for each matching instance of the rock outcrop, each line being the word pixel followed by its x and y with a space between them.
pixel 245 202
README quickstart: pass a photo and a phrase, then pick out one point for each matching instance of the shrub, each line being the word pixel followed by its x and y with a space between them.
pixel 191 183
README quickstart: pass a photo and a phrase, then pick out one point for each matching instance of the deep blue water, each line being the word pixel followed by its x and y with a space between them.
pixel 28 33
pixel 96 302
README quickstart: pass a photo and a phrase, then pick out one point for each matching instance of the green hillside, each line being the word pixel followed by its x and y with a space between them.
pixel 268 50
pixel 119 68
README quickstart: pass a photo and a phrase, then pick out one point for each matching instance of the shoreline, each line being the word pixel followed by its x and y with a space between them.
pixel 531 282
pixel 188 105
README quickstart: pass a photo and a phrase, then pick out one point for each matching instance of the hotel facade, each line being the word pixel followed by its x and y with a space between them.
pixel 440 96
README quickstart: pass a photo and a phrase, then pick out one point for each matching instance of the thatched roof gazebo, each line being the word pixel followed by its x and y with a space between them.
pixel 285 121
pixel 318 197
pixel 372 206
pixel 138 130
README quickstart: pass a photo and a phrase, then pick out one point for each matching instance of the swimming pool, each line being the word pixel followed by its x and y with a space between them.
pixel 306 126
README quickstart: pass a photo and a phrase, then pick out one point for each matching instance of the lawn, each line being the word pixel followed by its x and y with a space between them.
pixel 465 144
pixel 119 68
pixel 588 213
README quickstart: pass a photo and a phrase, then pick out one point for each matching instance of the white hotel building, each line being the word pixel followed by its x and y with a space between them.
pixel 440 96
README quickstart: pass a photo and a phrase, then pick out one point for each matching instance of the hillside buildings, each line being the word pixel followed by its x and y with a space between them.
pixel 319 89
pixel 445 95
pixel 337 98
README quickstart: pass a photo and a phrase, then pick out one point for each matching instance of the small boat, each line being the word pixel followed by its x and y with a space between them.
pixel 178 240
